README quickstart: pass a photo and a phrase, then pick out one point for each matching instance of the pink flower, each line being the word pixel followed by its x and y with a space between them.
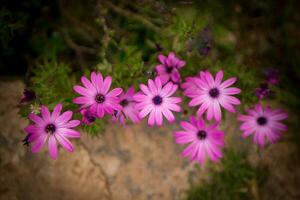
pixel 52 127
pixel 156 101
pixel 212 94
pixel 264 124
pixel 96 95
pixel 168 69
pixel 87 116
pixel 128 105
pixel 203 140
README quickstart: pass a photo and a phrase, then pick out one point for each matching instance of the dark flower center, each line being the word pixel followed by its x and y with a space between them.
pixel 50 128
pixel 100 98
pixel 157 100
pixel 169 69
pixel 201 135
pixel 261 121
pixel 91 118
pixel 214 93
pixel 124 102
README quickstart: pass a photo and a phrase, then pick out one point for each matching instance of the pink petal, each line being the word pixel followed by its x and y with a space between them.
pixel 152 87
pixel 231 91
pixel 279 117
pixel 71 124
pixel 231 100
pixel 106 85
pixel 65 143
pixel 160 69
pixel 145 89
pixel 217 111
pixel 83 100
pixel 65 117
pixel 151 119
pixel 52 145
pixel 158 117
pixel 39 143
pixel 145 111
pixel 69 133
pixel 100 111
pixel 174 100
pixel 56 111
pixel 115 92
pixel 197 100
pixel 45 113
pixel 87 84
pixel 219 77
pixel 201 153
pixel 164 78
pixel 162 59
pixel 210 112
pixel 166 89
pixel 173 107
pixel 188 126
pixel 210 80
pixel 204 106
pixel 83 91
pixel 33 129
pixel 168 114
pixel 228 82
pixel 36 119
pixel 173 90
pixel 158 84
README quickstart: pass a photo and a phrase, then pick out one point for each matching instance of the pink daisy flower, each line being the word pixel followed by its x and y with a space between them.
pixel 212 94
pixel 96 95
pixel 264 124
pixel 203 140
pixel 87 116
pixel 128 105
pixel 168 69
pixel 54 127
pixel 156 101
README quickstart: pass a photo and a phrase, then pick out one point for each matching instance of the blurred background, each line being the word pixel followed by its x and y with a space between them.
pixel 45 46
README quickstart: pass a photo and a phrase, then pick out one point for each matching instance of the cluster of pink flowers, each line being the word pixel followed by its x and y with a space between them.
pixel 156 101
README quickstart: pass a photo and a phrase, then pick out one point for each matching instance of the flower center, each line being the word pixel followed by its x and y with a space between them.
pixel 124 102
pixel 201 135
pixel 169 69
pixel 50 128
pixel 214 93
pixel 262 121
pixel 91 118
pixel 100 98
pixel 157 100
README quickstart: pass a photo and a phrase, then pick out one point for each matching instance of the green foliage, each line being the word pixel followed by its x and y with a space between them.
pixel 234 181
pixel 53 83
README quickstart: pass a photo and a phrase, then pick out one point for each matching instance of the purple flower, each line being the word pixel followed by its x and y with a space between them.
pixel 206 41
pixel 272 76
pixel 203 140
pixel 28 95
pixel 96 95
pixel 168 70
pixel 128 108
pixel 87 116
pixel 52 127
pixel 264 124
pixel 212 93
pixel 156 101
pixel 263 91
